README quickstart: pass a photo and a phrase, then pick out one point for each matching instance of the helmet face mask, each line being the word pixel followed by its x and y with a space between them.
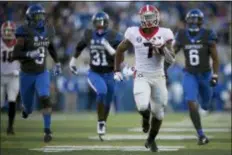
pixel 149 16
pixel 194 20
pixel 100 22
pixel 36 16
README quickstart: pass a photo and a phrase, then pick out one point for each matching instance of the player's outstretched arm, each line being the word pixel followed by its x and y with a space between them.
pixel 79 48
pixel 119 56
pixel 214 56
pixel 53 53
pixel 18 53
pixel 169 52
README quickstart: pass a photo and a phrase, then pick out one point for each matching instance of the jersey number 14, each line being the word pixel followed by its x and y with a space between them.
pixel 194 57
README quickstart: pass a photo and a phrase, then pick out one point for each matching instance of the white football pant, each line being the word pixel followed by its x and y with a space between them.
pixel 151 88
pixel 10 86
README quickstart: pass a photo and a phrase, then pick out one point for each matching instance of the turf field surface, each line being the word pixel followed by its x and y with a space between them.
pixel 75 134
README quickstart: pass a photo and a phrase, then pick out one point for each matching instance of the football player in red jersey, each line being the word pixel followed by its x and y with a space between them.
pixel 152 45
pixel 9 72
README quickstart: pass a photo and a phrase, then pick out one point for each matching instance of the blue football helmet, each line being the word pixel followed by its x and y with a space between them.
pixel 100 22
pixel 194 20
pixel 35 16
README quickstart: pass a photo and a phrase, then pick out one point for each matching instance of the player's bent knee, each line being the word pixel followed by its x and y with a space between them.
pixel 45 101
pixel 142 107
pixel 101 97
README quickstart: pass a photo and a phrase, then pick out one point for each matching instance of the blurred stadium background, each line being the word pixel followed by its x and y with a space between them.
pixel 72 97
pixel 71 18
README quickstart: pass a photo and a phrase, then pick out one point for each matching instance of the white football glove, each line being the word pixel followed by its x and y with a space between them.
pixel 108 47
pixel 128 71
pixel 72 66
pixel 118 76
pixel 35 54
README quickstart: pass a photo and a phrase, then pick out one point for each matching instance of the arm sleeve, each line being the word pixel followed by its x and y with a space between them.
pixel 53 53
pixel 80 46
pixel 18 53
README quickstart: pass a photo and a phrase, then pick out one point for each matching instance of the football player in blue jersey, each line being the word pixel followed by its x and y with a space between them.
pixel 199 45
pixel 101 42
pixel 34 41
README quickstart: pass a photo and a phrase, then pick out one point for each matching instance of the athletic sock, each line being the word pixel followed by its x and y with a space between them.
pixel 155 127
pixel 145 114
pixel 47 120
pixel 195 117
pixel 11 114
pixel 106 112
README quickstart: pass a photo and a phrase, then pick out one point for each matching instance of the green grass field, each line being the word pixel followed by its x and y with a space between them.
pixel 75 134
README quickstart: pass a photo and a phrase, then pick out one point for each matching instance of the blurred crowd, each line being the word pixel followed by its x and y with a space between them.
pixel 71 18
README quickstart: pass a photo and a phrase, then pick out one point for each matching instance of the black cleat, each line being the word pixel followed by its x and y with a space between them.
pixel 145 125
pixel 203 140
pixel 151 145
pixel 47 135
pixel 24 115
pixel 10 131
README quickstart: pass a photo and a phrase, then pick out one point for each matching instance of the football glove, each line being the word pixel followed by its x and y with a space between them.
pixel 108 47
pixel 128 71
pixel 35 54
pixel 118 76
pixel 72 66
pixel 214 80
pixel 57 69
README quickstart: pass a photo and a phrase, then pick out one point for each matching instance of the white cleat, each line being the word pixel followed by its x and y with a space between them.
pixel 101 129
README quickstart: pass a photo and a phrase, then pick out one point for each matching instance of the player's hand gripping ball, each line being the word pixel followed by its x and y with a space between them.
pixel 158 44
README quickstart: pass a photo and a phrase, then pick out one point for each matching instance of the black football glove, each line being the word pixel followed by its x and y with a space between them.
pixel 214 80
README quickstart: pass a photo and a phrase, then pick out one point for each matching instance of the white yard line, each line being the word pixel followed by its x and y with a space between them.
pixel 190 129
pixel 67 148
pixel 112 137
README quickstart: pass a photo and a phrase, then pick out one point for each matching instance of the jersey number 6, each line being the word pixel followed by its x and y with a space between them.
pixel 194 57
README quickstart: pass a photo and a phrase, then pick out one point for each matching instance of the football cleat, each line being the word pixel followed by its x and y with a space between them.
pixel 24 115
pixel 10 131
pixel 151 145
pixel 101 129
pixel 203 140
pixel 47 135
pixel 145 125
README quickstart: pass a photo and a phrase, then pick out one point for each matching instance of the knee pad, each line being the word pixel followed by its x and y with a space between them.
pixel 101 97
pixel 45 101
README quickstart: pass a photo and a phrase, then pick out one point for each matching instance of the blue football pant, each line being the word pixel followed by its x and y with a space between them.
pixel 198 85
pixel 31 84
pixel 103 85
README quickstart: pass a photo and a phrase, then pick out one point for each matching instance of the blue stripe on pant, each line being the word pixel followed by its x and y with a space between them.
pixel 31 84
pixel 198 85
pixel 103 85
